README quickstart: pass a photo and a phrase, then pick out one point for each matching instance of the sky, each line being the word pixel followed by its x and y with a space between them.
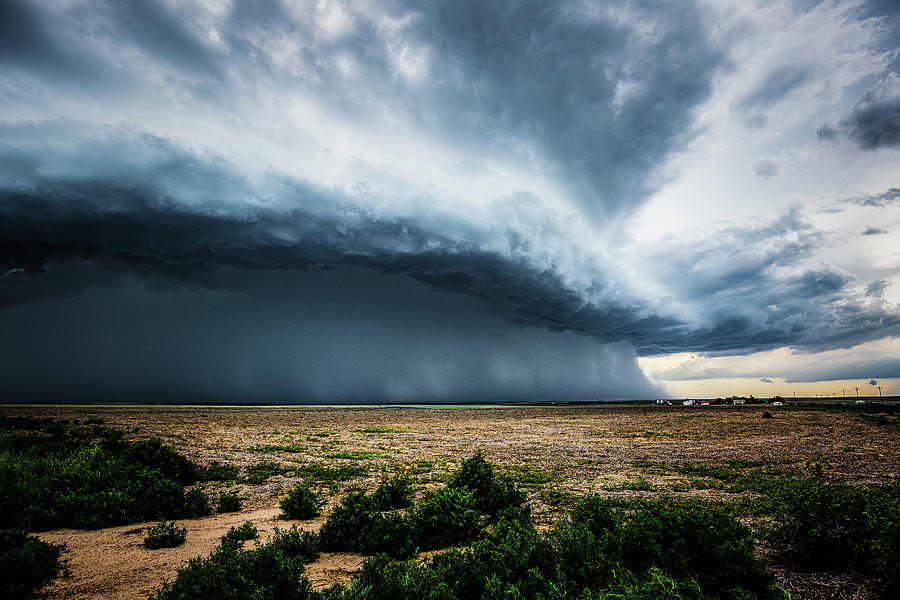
pixel 393 201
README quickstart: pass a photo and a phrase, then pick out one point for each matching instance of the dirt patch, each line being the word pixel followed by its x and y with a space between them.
pixel 556 453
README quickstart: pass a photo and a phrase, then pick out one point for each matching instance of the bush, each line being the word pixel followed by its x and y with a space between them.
pixel 87 478
pixel 237 535
pixel 446 517
pixel 196 504
pixel 26 564
pixel 164 535
pixel 271 571
pixel 836 526
pixel 396 492
pixel 357 524
pixel 229 502
pixel 491 492
pixel 300 503
pixel 694 540
pixel 592 556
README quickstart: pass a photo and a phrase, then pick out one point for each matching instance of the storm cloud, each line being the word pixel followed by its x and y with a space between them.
pixel 392 202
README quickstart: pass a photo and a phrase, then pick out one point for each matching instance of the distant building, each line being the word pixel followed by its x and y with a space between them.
pixel 688 402
pixel 738 401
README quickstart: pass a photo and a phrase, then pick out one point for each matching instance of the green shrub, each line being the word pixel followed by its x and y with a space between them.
pixel 594 555
pixel 164 535
pixel 271 571
pixel 26 564
pixel 196 504
pixel 491 492
pixel 238 535
pixel 357 524
pixel 694 540
pixel 836 526
pixel 446 517
pixel 229 502
pixel 396 492
pixel 258 473
pixel 300 503
pixel 72 479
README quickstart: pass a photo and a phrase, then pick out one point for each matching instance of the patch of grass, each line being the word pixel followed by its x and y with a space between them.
pixel 271 571
pixel 316 472
pixel 293 448
pixel 376 430
pixel 300 503
pixel 355 455
pixel 531 476
pixel 258 473
pixel 217 472
pixel 633 485
pixel 228 502
pixel 27 564
pixel 164 535
pixel 556 497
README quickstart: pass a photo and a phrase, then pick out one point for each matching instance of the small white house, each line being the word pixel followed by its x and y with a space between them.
pixel 688 402
pixel 738 401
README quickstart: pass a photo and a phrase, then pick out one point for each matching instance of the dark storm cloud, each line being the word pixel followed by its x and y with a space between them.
pixel 119 231
pixel 141 213
pixel 342 335
pixel 873 231
pixel 875 124
pixel 765 380
pixel 875 120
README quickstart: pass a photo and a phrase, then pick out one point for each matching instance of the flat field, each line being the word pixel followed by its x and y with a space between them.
pixel 555 453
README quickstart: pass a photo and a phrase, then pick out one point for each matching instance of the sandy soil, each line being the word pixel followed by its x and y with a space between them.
pixel 574 449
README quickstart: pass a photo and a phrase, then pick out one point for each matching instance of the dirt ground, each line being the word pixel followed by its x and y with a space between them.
pixel 555 452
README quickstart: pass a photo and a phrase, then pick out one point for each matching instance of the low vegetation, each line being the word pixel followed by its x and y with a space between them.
pixel 623 549
pixel 831 525
pixel 270 571
pixel 27 564
pixel 85 477
pixel 301 503
pixel 165 535
pixel 238 535
pixel 228 502
pixel 196 504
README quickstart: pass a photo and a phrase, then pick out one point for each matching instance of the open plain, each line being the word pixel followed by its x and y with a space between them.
pixel 555 453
